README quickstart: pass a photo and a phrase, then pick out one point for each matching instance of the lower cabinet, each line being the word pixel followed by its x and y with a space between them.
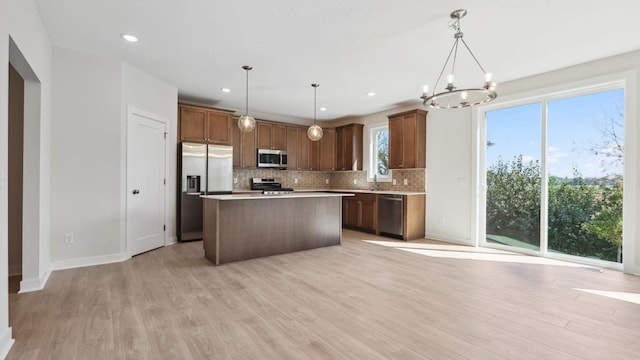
pixel 360 212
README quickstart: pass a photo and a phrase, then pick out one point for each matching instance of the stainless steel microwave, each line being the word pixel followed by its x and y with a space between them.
pixel 272 158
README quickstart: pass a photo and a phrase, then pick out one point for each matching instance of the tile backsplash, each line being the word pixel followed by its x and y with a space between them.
pixel 416 179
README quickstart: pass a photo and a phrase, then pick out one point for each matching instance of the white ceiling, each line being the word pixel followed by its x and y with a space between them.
pixel 349 47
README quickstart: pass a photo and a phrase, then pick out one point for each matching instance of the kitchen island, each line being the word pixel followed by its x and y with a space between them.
pixel 246 226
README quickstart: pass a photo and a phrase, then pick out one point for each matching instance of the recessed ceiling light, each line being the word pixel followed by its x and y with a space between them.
pixel 129 37
pixel 225 90
pixel 323 109
pixel 371 93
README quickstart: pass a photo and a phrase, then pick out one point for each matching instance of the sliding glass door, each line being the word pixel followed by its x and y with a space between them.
pixel 553 175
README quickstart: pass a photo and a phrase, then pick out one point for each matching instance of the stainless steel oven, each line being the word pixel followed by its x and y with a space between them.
pixel 272 158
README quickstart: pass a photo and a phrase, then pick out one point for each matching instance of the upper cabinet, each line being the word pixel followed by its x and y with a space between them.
pixel 271 136
pixel 407 139
pixel 327 150
pixel 245 154
pixel 349 147
pixel 205 125
pixel 298 148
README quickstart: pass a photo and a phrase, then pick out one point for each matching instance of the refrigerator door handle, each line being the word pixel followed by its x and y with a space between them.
pixel 136 191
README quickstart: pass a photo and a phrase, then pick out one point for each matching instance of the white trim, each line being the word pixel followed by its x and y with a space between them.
pixel 6 341
pixel 89 261
pixel 449 239
pixel 29 285
pixel 170 241
pixel 625 80
pixel 368 158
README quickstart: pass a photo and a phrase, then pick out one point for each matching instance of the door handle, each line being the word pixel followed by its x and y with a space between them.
pixel 136 191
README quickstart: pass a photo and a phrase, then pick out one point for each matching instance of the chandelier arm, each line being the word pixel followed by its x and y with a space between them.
pixel 473 56
pixel 444 66
pixel 455 57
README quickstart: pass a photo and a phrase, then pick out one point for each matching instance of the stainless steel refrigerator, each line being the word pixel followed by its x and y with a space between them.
pixel 204 169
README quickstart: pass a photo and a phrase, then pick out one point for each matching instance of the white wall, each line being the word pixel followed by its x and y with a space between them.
pixel 144 92
pixel 20 21
pixel 85 156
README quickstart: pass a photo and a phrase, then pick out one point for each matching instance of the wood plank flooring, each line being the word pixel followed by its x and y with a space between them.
pixel 355 301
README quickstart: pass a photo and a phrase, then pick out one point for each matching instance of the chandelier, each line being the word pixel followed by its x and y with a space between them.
pixel 246 123
pixel 315 131
pixel 452 97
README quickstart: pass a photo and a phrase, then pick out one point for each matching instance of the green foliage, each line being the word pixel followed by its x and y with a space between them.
pixel 382 141
pixel 584 216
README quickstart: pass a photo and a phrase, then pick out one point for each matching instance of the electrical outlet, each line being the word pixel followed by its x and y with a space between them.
pixel 326 181
pixel 355 181
pixel 406 181
pixel 441 221
pixel 295 181
pixel 394 182
pixel 68 238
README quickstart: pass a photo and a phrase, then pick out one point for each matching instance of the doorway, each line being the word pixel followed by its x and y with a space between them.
pixel 15 177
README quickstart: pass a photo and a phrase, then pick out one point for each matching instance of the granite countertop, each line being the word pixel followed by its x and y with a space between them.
pixel 260 196
pixel 391 192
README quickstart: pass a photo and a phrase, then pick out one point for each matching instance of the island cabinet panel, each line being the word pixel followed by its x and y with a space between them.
pixel 349 147
pixel 360 212
pixel 245 154
pixel 271 136
pixel 286 225
pixel 205 125
pixel 407 139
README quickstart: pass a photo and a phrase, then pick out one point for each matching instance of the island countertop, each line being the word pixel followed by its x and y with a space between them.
pixel 259 196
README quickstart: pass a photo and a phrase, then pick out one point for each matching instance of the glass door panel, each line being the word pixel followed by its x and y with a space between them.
pixel 513 176
pixel 585 167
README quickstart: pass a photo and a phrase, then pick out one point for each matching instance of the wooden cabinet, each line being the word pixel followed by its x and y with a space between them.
pixel 205 125
pixel 245 154
pixel 271 136
pixel 327 150
pixel 349 147
pixel 407 139
pixel 414 217
pixel 298 148
pixel 360 212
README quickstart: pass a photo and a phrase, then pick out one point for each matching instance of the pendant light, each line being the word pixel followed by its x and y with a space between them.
pixel 315 131
pixel 453 97
pixel 246 123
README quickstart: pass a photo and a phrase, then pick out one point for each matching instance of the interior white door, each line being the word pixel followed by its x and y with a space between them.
pixel 145 183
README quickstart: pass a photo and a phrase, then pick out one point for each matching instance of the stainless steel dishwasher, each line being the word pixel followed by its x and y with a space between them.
pixel 390 215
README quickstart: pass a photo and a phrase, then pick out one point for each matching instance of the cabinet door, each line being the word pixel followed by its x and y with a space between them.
pixel 351 212
pixel 328 150
pixel 304 147
pixel 292 148
pixel 348 148
pixel 192 124
pixel 219 128
pixel 263 135
pixel 396 140
pixel 367 215
pixel 409 141
pixel 249 156
pixel 237 147
pixel 278 137
pixel 340 165
pixel 314 160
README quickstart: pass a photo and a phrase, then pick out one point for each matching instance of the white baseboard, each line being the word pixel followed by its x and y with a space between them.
pixel 172 240
pixel 444 238
pixel 6 341
pixel 29 285
pixel 15 269
pixel 88 261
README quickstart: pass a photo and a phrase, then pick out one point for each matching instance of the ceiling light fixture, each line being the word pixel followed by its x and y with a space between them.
pixel 246 123
pixel 129 37
pixel 315 131
pixel 452 97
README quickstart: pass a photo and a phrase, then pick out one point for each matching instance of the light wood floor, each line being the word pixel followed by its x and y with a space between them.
pixel 355 301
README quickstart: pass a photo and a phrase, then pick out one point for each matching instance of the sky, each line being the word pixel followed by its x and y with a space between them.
pixel 575 125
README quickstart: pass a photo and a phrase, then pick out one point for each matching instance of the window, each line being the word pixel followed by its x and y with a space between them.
pixel 554 174
pixel 379 153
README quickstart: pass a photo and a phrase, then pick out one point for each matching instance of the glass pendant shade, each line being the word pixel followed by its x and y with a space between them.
pixel 314 132
pixel 246 123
